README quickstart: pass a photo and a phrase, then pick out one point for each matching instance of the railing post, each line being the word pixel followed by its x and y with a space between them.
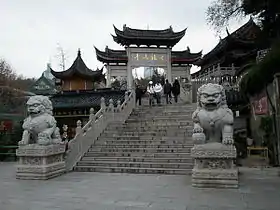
pixel 102 104
pixel 111 105
pixel 111 109
pixel 64 134
pixel 126 96
pixel 118 105
pixel 79 127
pixel 91 114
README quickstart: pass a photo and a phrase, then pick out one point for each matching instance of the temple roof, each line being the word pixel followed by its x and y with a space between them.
pixel 242 38
pixel 185 57
pixel 43 86
pixel 111 56
pixel 78 68
pixel 129 36
pixel 120 56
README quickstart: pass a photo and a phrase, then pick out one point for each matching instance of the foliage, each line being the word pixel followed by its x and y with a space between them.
pixel 10 139
pixel 11 88
pixel 261 74
pixel 116 84
pixel 119 84
pixel 157 77
pixel 220 12
pixel 269 139
pixel 266 124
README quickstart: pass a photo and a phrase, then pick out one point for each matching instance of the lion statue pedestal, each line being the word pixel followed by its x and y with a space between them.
pixel 41 150
pixel 214 151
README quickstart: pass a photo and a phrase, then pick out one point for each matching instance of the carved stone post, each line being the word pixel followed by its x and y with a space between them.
pixel 119 105
pixel 102 103
pixel 91 114
pixel 79 127
pixel 64 135
pixel 126 96
pixel 111 105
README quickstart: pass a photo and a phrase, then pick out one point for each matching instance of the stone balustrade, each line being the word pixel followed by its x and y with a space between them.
pixel 87 134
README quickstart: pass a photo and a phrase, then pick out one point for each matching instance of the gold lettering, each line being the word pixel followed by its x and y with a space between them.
pixel 145 57
pixel 135 56
pixel 162 57
pixel 154 57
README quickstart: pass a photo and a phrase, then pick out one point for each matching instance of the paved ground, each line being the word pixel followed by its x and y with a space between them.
pixel 259 190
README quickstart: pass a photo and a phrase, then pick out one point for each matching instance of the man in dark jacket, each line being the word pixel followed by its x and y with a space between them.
pixel 139 93
pixel 167 91
pixel 176 89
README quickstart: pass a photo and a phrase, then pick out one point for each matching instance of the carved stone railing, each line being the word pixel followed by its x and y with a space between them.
pixel 86 135
pixel 215 71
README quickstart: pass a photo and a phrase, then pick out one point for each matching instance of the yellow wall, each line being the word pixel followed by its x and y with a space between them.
pixel 77 84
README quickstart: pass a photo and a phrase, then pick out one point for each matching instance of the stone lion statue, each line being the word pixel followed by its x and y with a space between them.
pixel 40 126
pixel 213 120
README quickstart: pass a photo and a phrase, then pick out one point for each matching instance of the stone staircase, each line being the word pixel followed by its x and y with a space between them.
pixel 152 140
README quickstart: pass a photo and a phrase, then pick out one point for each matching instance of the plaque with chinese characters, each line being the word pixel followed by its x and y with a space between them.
pixel 150 59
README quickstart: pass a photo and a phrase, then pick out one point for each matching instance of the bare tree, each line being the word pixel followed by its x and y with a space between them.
pixel 7 75
pixel 220 12
pixel 62 56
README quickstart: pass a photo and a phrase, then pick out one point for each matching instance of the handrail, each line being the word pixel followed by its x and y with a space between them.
pixel 87 135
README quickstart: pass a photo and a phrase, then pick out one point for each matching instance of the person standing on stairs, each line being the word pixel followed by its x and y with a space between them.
pixel 176 89
pixel 151 93
pixel 139 93
pixel 158 91
pixel 167 91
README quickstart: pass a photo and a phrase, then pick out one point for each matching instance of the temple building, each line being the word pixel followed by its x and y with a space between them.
pixel 45 85
pixel 225 63
pixel 147 48
pixel 78 91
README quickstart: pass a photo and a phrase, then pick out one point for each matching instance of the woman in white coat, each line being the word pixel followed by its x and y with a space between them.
pixel 151 93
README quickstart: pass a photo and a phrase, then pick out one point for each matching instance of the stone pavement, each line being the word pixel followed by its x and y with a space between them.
pixel 259 190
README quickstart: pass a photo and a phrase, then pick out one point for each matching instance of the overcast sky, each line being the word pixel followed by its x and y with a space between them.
pixel 31 29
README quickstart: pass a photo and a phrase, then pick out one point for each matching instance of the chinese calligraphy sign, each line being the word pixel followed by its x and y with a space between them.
pixel 149 58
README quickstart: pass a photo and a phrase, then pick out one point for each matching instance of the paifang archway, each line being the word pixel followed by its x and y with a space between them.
pixel 149 48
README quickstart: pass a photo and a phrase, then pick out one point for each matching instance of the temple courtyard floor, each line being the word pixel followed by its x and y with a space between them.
pixel 259 190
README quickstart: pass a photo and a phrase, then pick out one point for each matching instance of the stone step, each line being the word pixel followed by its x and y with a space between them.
pixel 139 159
pixel 158 123
pixel 168 134
pixel 136 164
pixel 148 135
pixel 154 139
pixel 131 146
pixel 158 119
pixel 137 154
pixel 141 133
pixel 165 108
pixel 135 170
pixel 161 115
pixel 139 150
pixel 154 127
pixel 143 141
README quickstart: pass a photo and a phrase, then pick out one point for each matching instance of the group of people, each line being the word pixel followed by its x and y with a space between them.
pixel 155 92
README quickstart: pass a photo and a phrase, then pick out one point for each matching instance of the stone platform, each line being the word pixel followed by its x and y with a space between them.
pixel 40 162
pixel 259 190
pixel 214 166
